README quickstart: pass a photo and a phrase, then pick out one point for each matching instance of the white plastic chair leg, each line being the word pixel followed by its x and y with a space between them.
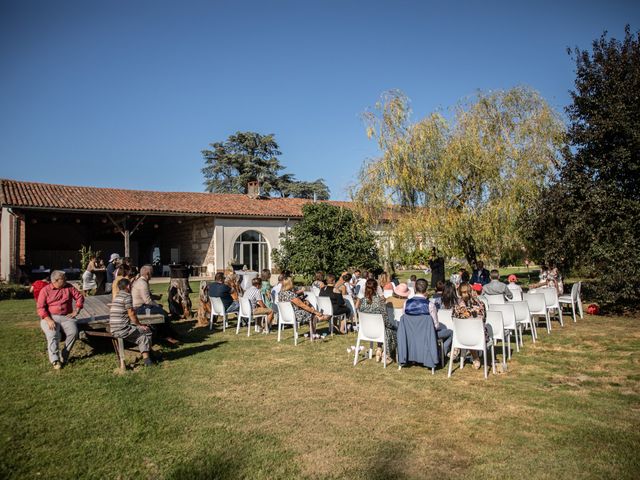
pixel 279 329
pixel 580 308
pixel 573 310
pixel 355 356
pixel 484 360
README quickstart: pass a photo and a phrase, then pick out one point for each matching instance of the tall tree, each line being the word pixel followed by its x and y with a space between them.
pixel 249 156
pixel 460 185
pixel 328 238
pixel 590 217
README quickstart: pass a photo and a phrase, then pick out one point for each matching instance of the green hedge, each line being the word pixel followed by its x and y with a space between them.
pixel 9 291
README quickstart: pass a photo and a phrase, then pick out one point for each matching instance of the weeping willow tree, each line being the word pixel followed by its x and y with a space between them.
pixel 459 184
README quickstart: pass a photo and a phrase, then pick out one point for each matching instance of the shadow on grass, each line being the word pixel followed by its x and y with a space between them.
pixel 188 351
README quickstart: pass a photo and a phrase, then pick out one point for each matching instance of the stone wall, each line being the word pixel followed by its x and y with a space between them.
pixel 193 237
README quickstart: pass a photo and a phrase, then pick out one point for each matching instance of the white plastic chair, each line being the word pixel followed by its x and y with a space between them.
pixel 371 330
pixel 287 316
pixel 246 312
pixel 571 299
pixel 517 296
pixel 537 307
pixel 509 320
pixel 551 300
pixel 495 299
pixel 580 300
pixel 315 291
pixel 468 334
pixel 313 299
pixel 523 319
pixel 497 332
pixel 217 309
pixel 326 307
pixel 445 317
pixel 397 314
pixel 412 292
pixel 387 293
pixel 354 311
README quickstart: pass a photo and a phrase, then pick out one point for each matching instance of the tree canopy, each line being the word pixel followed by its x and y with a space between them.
pixel 590 217
pixel 250 156
pixel 460 184
pixel 328 238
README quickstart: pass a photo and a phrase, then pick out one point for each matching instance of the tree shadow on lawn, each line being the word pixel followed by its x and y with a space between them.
pixel 188 351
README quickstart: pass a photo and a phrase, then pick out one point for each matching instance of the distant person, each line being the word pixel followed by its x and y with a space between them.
pixel 124 323
pixel 111 268
pixel 89 276
pixel 496 287
pixel 218 288
pixel 338 304
pixel 254 295
pixel 303 311
pixel 412 281
pixel 56 311
pixel 318 281
pixel 436 264
pixel 480 274
pixel 513 285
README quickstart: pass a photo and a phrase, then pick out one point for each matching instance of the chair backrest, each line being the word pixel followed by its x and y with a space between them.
pixel 217 306
pixel 536 303
pixel 387 293
pixel 286 313
pixel 575 291
pixel 484 301
pixel 550 296
pixel 517 296
pixel 445 317
pixel 468 333
pixel 313 299
pixel 579 288
pixel 495 324
pixel 521 310
pixel 508 314
pixel 245 307
pixel 412 292
pixel 397 314
pixel 315 290
pixel 349 300
pixel 371 327
pixel 325 306
pixel 495 299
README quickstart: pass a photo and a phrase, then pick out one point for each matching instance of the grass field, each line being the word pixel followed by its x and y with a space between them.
pixel 227 406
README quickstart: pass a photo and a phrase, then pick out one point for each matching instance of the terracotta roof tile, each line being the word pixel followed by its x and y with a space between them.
pixel 18 194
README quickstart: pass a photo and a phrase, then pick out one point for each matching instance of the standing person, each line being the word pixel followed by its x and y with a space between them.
pixel 124 323
pixel 111 268
pixel 143 299
pixel 436 264
pixel 89 276
pixel 480 274
pixel 337 300
pixel 55 309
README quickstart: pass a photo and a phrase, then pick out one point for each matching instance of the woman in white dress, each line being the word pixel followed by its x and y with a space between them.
pixel 88 277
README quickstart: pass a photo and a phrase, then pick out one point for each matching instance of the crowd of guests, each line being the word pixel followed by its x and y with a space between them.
pixel 58 302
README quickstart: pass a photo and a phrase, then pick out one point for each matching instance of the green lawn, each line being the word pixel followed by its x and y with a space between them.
pixel 227 406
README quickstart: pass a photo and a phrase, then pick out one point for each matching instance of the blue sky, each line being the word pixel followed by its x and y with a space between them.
pixel 127 93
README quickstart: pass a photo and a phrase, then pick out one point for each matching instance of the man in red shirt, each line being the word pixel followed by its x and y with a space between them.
pixel 55 309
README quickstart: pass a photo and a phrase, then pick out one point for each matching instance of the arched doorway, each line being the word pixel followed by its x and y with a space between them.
pixel 252 250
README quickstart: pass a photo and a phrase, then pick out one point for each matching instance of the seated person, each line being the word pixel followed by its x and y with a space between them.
pixel 398 299
pixel 436 299
pixel 496 287
pixel 420 305
pixel 318 280
pixel 337 300
pixel 143 299
pixel 123 321
pixel 221 290
pixel 373 303
pixel 412 281
pixel 302 310
pixel 513 284
pixel 469 306
pixel 254 295
pixel 55 309
pixel 265 287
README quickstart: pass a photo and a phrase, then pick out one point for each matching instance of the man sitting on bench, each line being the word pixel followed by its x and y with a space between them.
pixel 123 321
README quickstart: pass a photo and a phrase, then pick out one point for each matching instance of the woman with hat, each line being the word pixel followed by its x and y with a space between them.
pixel 398 297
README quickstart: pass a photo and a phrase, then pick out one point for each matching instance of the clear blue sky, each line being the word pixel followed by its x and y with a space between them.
pixel 127 93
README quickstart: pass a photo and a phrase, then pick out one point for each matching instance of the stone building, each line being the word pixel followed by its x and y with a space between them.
pixel 43 226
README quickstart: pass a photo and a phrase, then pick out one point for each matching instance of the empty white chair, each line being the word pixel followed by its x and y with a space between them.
pixel 517 296
pixel 445 318
pixel 468 334
pixel 537 307
pixel 551 300
pixel 523 319
pixel 287 316
pixel 246 312
pixel 371 330
pixel 315 291
pixel 495 299
pixel 580 299
pixel 509 320
pixel 571 299
pixel 497 332
pixel 217 309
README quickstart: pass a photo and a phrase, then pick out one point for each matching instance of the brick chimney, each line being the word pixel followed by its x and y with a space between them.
pixel 253 189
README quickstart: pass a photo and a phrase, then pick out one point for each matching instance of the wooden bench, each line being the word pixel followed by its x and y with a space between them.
pixel 93 320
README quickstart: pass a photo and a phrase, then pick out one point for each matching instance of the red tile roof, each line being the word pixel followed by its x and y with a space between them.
pixel 18 194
